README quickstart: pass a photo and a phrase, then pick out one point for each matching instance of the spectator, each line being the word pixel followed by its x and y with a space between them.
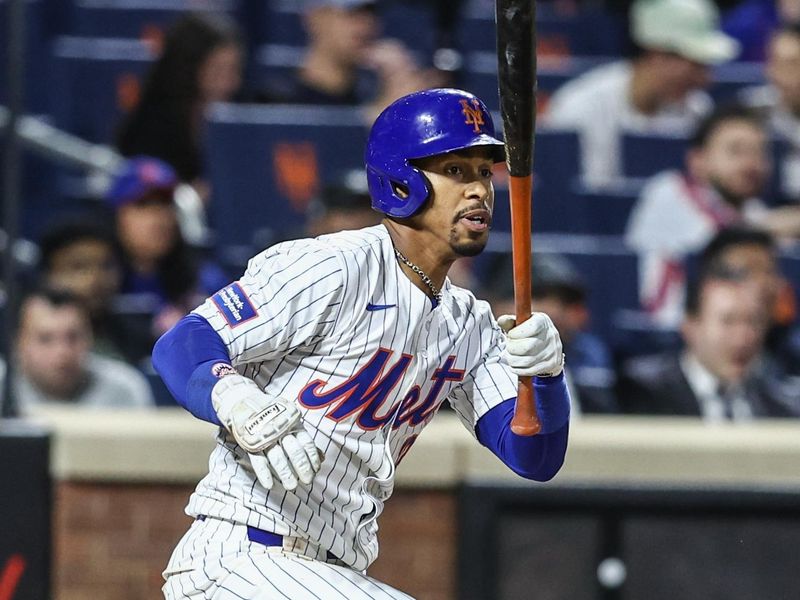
pixel 559 291
pixel 659 91
pixel 678 213
pixel 345 204
pixel 55 365
pixel 160 271
pixel 723 372
pixel 343 39
pixel 752 254
pixel 201 63
pixel 779 102
pixel 82 258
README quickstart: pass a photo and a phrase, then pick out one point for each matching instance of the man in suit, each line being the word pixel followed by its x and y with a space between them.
pixel 723 373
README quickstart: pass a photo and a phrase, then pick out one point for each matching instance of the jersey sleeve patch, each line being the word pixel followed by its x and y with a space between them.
pixel 234 305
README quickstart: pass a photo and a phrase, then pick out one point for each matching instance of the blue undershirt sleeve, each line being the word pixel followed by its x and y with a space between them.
pixel 184 357
pixel 538 457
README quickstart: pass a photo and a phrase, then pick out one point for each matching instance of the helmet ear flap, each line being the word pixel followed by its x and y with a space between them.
pixel 398 192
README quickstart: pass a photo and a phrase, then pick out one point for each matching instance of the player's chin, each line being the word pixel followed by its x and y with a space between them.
pixel 469 247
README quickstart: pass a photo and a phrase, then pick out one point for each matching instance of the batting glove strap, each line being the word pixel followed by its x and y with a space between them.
pixel 255 419
pixel 533 348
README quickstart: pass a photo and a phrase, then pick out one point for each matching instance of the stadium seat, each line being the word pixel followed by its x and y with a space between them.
pixel 138 18
pixel 610 271
pixel 555 166
pixel 272 64
pixel 789 260
pixel 644 155
pixel 729 78
pixel 479 76
pixel 783 172
pixel 607 267
pixel 266 163
pixel 413 23
pixel 602 212
pixel 588 32
pixel 96 81
pixel 634 334
pixel 37 90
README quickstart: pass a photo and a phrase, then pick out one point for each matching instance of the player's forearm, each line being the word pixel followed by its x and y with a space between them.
pixel 539 457
pixel 185 358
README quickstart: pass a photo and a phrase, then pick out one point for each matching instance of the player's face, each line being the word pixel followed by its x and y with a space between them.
pixel 52 346
pixel 783 68
pixel 735 159
pixel 460 208
pixel 727 334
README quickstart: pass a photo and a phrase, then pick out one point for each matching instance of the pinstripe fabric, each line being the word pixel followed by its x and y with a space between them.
pixel 367 382
pixel 243 569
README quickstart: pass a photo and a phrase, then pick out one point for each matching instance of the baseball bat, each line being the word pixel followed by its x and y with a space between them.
pixel 516 62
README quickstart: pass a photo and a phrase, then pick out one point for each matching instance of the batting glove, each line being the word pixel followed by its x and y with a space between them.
pixel 534 347
pixel 269 429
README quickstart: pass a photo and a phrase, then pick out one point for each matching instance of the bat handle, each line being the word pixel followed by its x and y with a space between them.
pixel 526 420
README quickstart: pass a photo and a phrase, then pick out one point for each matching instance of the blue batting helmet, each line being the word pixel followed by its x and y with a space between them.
pixel 419 125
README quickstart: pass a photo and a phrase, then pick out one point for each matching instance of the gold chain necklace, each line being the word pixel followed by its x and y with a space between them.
pixel 437 294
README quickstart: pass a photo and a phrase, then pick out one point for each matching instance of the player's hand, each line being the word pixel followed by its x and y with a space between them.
pixel 534 347
pixel 269 429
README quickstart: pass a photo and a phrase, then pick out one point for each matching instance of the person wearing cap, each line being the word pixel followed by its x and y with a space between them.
pixel 160 275
pixel 559 291
pixel 659 91
pixel 343 38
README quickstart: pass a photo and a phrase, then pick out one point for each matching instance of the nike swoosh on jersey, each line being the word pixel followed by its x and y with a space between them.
pixel 371 306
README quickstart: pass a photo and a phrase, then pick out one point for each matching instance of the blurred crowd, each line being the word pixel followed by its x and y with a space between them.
pixel 711 235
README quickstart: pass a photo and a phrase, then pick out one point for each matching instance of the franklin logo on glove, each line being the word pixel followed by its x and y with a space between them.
pixel 269 413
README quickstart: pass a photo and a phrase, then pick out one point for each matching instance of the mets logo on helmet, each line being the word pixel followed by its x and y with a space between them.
pixel 473 115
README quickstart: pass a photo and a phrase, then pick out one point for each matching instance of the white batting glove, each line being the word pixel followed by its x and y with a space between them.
pixel 534 347
pixel 269 429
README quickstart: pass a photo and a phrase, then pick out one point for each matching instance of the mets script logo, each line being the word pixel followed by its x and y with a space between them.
pixel 365 393
pixel 473 115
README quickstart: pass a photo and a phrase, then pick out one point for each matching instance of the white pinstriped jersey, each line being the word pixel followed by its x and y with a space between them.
pixel 335 324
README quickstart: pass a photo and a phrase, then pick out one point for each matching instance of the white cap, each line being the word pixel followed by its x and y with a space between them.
pixel 689 28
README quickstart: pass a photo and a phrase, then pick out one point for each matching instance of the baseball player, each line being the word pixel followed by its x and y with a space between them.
pixel 325 361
